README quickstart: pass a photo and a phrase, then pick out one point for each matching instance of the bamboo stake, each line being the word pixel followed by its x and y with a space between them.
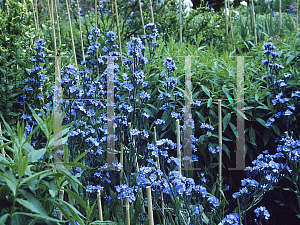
pixel 226 17
pixel 71 32
pixel 96 11
pixel 178 145
pixel 57 18
pixel 180 22
pixel 61 197
pixel 34 15
pixel 254 23
pixel 150 209
pixel 53 28
pixel 122 162
pixel 49 10
pixel 280 15
pixel 127 210
pixel 141 11
pixel 152 17
pixel 81 38
pixel 99 205
pixel 2 149
pixel 220 143
pixel 24 2
pixel 161 192
pixel 297 16
pixel 37 16
pixel 118 29
pixel 112 17
pixel 231 26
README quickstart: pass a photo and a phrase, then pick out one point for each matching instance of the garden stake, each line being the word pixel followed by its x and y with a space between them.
pixel 24 2
pixel 99 205
pixel 280 15
pixel 112 18
pixel 178 145
pixel 61 197
pixel 53 28
pixel 150 209
pixel 286 133
pixel 180 22
pixel 226 17
pixel 33 15
pixel 254 24
pixel 2 149
pixel 49 11
pixel 96 11
pixel 220 144
pixel 57 18
pixel 141 11
pixel 122 162
pixel 110 112
pixel 37 16
pixel 239 207
pixel 68 10
pixel 127 210
pixel 82 48
pixel 231 27
pixel 118 29
pixel 161 192
pixel 297 16
pixel 152 17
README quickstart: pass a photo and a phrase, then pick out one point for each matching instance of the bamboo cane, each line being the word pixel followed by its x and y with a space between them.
pixel 226 17
pixel 127 210
pixel 53 28
pixel 152 17
pixel 297 16
pixel 231 26
pixel 112 17
pixel 61 197
pixel 254 23
pixel 178 145
pixel 150 209
pixel 99 205
pixel 122 162
pixel 118 29
pixel 57 18
pixel 180 22
pixel 81 38
pixel 37 16
pixel 220 144
pixel 49 10
pixel 280 15
pixel 96 12
pixel 2 149
pixel 161 192
pixel 34 15
pixel 71 32
pixel 141 11
pixel 24 2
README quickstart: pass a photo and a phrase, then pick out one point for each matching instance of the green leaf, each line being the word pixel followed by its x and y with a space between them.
pixel 41 217
pixel 82 155
pixel 206 90
pixel 77 198
pixel 4 218
pixel 35 176
pixel 226 121
pixel 29 205
pixel 40 122
pixel 252 135
pixel 276 129
pixel 35 155
pixel 262 122
pixel 266 137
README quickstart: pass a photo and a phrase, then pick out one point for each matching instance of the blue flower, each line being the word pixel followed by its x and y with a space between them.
pixel 262 212
pixel 213 200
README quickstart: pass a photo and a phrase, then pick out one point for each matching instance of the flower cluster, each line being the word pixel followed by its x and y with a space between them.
pixel 261 213
pixel 231 219
pixel 124 190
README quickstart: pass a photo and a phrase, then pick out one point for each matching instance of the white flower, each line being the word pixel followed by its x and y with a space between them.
pixel 218 25
pixel 237 13
pixel 244 3
pixel 231 1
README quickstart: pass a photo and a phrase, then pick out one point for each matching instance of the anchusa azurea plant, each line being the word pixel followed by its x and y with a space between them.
pixel 284 103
